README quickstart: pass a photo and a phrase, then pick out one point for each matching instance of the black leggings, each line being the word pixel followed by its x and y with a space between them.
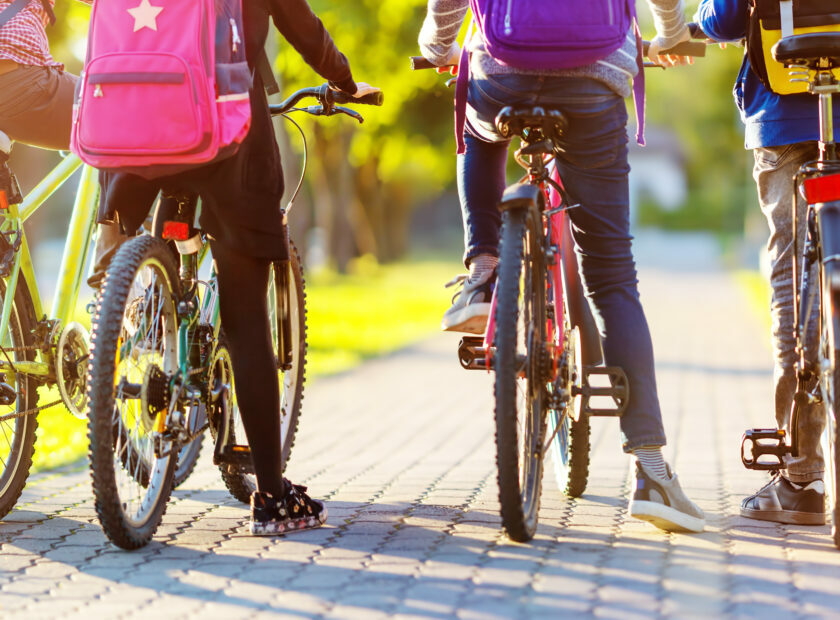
pixel 243 284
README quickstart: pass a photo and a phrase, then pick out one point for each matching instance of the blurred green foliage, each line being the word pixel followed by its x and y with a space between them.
pixel 408 144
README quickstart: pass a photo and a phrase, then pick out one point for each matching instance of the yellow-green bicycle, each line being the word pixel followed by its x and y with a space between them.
pixel 37 348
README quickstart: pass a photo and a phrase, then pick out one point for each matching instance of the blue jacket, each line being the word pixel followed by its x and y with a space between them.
pixel 770 119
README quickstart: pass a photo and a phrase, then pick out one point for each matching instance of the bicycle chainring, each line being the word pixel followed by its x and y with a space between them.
pixel 155 396
pixel 72 353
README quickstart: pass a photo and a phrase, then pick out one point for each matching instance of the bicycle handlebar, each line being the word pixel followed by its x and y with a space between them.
pixel 688 48
pixel 327 98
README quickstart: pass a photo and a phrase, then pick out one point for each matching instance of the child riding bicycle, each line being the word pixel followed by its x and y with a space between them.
pixel 782 131
pixel 36 96
pixel 593 165
pixel 241 214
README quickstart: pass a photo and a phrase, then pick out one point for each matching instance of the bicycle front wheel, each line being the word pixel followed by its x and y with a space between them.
pixel 134 351
pixel 17 434
pixel 520 365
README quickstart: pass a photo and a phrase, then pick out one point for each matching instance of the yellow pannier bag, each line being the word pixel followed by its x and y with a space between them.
pixel 769 21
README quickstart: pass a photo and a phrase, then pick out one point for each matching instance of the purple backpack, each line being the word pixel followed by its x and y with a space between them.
pixel 550 35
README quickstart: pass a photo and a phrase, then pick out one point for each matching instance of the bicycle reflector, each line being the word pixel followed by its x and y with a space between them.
pixel 176 231
pixel 822 188
pixel 4 201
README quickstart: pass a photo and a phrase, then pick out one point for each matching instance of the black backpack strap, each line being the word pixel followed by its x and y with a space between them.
pixel 266 72
pixel 13 9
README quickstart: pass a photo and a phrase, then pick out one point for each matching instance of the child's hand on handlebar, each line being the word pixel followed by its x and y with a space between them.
pixel 669 60
pixel 363 89
pixel 451 64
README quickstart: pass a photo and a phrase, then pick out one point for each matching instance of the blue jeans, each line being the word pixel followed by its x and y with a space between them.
pixel 594 170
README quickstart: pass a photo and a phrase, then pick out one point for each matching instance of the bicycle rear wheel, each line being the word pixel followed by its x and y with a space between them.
pixel 134 351
pixel 830 376
pixel 17 435
pixel 286 303
pixel 520 361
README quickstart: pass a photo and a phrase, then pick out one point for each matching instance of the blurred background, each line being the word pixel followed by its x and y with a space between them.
pixel 378 221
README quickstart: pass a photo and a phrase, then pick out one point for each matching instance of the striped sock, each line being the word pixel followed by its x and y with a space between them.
pixel 482 265
pixel 650 457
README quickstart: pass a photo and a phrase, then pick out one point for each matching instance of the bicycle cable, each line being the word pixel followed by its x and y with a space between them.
pixel 305 157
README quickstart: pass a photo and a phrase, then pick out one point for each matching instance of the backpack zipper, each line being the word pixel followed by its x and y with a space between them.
pixel 234 33
pixel 508 29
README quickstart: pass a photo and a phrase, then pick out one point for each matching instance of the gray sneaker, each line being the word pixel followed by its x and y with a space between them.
pixel 664 504
pixel 470 305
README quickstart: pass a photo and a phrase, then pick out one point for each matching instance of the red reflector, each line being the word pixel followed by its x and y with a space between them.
pixel 4 202
pixel 822 189
pixel 177 231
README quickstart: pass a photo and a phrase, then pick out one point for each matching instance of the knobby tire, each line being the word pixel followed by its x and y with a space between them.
pixel 105 335
pixel 520 466
pixel 17 436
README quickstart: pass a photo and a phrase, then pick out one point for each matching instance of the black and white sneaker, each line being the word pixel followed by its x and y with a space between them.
pixel 294 513
pixel 664 504
pixel 783 501
pixel 470 305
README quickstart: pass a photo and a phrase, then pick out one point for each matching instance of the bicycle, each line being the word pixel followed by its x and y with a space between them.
pixel 541 340
pixel 160 359
pixel 811 58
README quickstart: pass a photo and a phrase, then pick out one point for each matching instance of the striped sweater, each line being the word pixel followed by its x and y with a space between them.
pixel 444 18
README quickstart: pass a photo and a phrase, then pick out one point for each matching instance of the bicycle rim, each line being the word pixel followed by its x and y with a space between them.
pixel 135 336
pixel 17 435
pixel 519 365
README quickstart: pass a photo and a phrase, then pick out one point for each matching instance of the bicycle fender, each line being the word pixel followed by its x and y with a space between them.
pixel 828 221
pixel 519 196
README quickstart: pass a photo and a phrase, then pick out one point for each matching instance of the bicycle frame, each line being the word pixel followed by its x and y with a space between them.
pixel 79 235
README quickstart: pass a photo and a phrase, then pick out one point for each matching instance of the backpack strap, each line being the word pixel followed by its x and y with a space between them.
pixel 266 73
pixel 462 84
pixel 786 17
pixel 639 86
pixel 11 11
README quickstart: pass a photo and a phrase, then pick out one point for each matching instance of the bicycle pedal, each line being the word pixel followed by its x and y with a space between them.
pixel 764 442
pixel 472 354
pixel 235 456
pixel 618 390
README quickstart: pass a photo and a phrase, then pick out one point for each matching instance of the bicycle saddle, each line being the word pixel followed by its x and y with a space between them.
pixel 809 49
pixel 5 143
pixel 524 122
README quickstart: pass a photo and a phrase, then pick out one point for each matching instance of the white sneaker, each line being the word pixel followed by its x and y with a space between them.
pixel 664 504
pixel 470 305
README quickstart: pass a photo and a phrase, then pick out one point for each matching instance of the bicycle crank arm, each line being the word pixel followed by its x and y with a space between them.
pixel 35 369
pixel 764 442
pixel 618 390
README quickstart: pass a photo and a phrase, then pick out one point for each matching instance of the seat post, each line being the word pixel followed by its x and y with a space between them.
pixel 828 149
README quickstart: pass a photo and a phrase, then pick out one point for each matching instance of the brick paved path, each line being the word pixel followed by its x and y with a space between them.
pixel 402 449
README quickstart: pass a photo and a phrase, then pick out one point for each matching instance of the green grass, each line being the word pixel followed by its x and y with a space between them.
pixel 373 310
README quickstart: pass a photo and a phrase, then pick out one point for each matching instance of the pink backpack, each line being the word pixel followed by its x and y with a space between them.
pixel 165 86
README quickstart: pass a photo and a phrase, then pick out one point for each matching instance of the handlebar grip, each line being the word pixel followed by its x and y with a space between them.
pixel 374 98
pixel 686 48
pixel 418 62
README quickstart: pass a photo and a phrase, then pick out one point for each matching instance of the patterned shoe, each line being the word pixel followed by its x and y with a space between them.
pixel 296 512
pixel 665 504
pixel 783 501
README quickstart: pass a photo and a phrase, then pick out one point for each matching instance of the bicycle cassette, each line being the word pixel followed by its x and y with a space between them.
pixel 72 352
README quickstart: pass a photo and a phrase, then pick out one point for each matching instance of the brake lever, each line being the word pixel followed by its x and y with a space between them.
pixel 349 112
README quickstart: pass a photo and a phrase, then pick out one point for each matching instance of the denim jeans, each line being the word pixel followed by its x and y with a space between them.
pixel 774 170
pixel 594 169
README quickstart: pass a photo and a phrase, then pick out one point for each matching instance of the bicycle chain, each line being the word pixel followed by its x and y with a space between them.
pixel 33 411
